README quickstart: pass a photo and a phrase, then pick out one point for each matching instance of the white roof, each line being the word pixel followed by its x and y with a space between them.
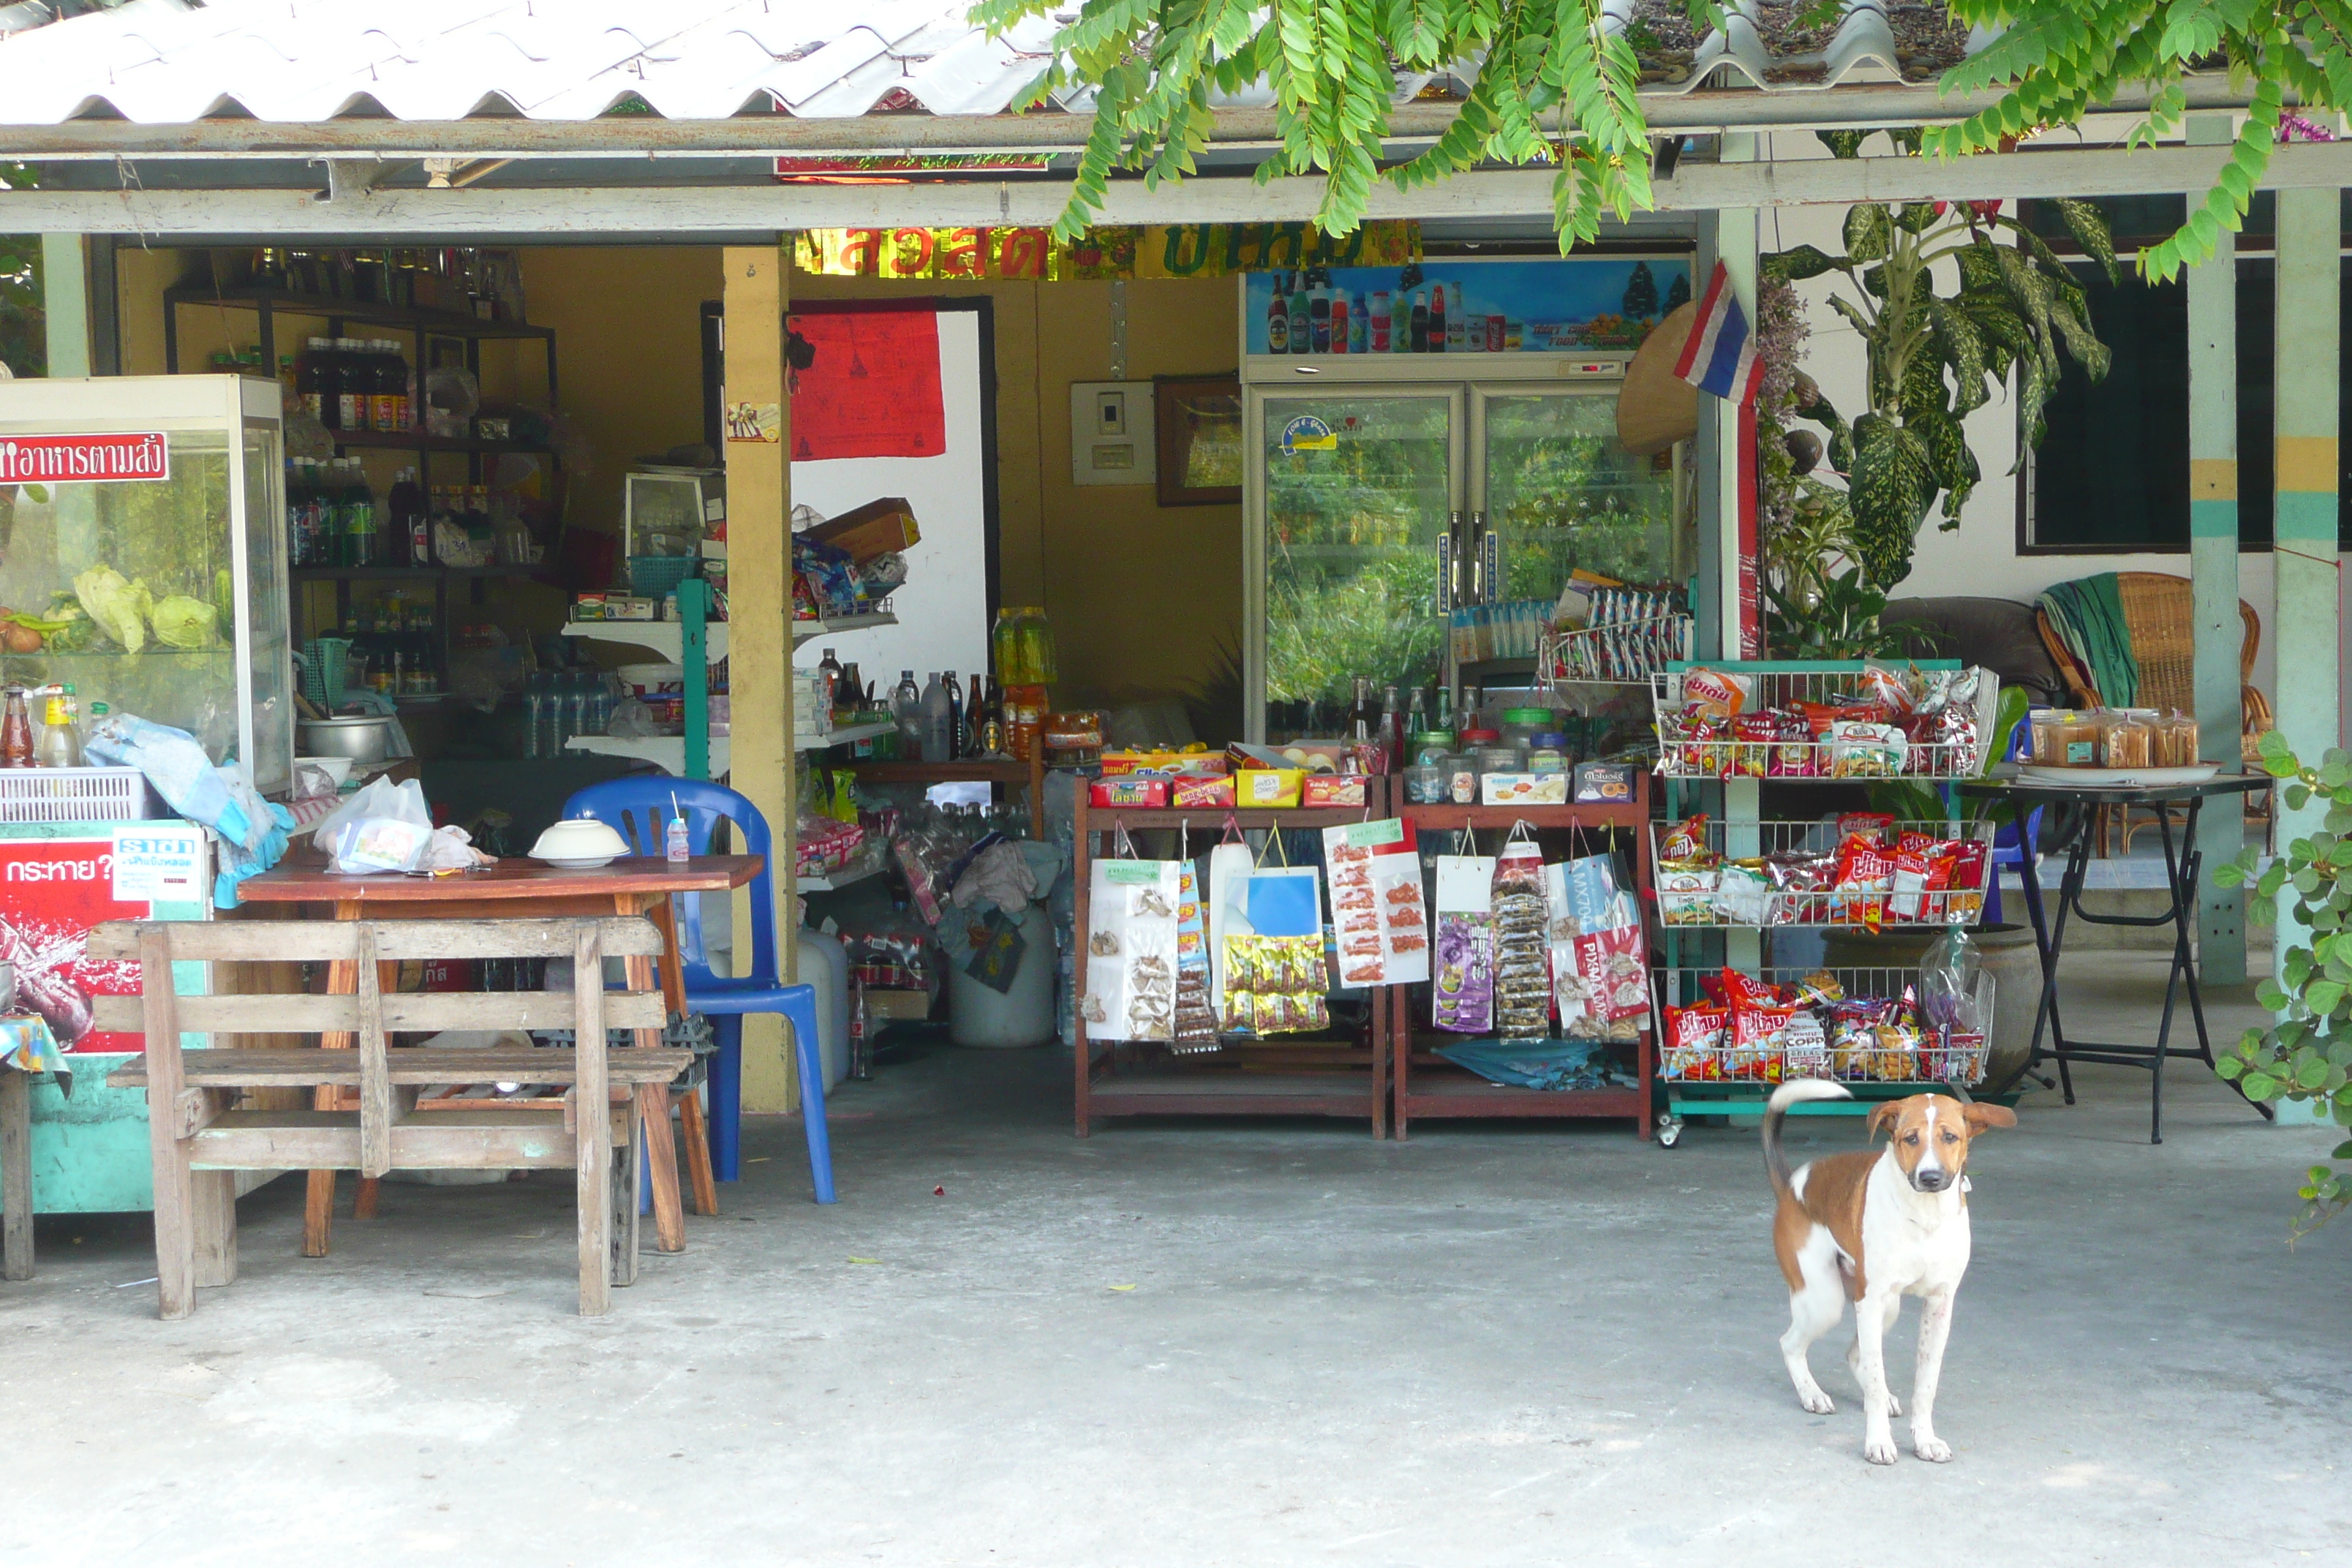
pixel 170 63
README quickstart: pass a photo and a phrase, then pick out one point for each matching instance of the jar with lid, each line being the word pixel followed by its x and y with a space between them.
pixel 1426 783
pixel 1549 754
pixel 1461 770
pixel 1522 725
pixel 1430 745
pixel 1502 757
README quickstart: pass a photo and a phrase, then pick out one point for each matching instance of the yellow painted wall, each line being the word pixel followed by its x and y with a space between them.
pixel 1141 597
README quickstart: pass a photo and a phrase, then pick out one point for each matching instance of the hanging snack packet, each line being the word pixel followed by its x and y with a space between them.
pixel 1695 1042
pixel 1523 989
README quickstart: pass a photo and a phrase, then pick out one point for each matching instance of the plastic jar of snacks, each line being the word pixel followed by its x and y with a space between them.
pixel 1461 778
pixel 1522 725
pixel 1549 754
pixel 1427 783
pixel 1427 746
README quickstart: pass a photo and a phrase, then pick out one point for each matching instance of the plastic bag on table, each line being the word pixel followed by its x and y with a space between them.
pixel 378 798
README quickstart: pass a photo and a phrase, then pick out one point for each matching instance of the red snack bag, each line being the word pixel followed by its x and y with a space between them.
pixel 1865 876
pixel 1736 990
pixel 1711 694
pixel 1755 733
pixel 1874 823
pixel 1911 841
pixel 1695 1041
pixel 1757 1042
pixel 1700 750
pixel 1687 841
pixel 1882 685
pixel 1820 716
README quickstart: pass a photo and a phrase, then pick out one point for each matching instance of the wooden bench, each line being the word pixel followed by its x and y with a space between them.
pixel 200 1135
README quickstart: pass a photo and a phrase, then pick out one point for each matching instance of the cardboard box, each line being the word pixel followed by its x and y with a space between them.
pixel 1255 789
pixel 1198 761
pixel 875 529
pixel 1193 792
pixel 1133 792
pixel 1523 789
pixel 1335 789
pixel 884 1007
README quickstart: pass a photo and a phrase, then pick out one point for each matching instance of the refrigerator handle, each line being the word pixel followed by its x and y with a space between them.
pixel 1483 556
pixel 1451 545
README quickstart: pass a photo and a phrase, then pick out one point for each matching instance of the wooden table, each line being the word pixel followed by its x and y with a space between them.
pixel 519 888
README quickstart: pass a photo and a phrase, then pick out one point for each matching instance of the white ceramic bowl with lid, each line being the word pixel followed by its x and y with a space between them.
pixel 580 843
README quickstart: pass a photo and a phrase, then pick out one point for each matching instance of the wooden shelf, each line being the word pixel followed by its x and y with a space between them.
pixel 374 312
pixel 418 441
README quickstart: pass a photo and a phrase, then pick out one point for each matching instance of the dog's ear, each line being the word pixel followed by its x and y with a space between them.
pixel 1981 1115
pixel 1884 1119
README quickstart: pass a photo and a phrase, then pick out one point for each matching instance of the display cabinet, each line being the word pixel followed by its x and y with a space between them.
pixel 142 557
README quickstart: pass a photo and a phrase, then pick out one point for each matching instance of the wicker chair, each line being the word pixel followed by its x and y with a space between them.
pixel 2159 612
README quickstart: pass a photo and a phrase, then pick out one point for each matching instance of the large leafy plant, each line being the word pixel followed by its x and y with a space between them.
pixel 24 346
pixel 2307 1053
pixel 1934 357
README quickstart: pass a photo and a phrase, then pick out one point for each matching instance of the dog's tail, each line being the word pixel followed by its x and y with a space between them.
pixel 1776 1111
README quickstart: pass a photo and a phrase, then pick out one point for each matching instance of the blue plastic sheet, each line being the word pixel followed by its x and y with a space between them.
pixel 1539 1063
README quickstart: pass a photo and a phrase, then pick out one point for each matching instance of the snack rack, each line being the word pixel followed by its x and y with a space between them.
pixel 1731 1082
pixel 1741 769
pixel 1782 684
pixel 1279 1076
pixel 1710 901
pixel 1427 1085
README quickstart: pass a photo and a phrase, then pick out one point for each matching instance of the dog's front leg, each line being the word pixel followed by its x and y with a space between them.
pixel 1870 1320
pixel 1935 1328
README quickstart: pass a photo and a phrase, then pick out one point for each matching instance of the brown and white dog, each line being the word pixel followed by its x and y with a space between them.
pixel 1876 1228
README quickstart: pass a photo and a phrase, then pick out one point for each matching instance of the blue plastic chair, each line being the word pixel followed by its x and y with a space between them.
pixel 2012 844
pixel 640 809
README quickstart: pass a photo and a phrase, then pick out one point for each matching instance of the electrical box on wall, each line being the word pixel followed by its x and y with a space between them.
pixel 1112 438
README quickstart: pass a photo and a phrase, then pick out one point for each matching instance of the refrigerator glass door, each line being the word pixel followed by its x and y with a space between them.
pixel 1563 494
pixel 1357 487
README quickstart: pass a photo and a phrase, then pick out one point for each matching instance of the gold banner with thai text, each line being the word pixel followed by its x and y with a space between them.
pixel 1185 250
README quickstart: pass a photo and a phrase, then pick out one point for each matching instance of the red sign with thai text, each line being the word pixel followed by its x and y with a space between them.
pixel 52 891
pixel 69 460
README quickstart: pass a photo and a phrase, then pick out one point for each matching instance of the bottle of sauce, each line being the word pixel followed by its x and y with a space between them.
pixel 314 379
pixel 352 387
pixel 411 534
pixel 16 732
pixel 1437 322
pixel 956 707
pixel 59 746
pixel 363 533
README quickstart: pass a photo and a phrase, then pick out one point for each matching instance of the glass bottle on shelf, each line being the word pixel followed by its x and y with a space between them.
pixel 59 746
pixel 907 712
pixel 15 731
pixel 955 706
pixel 938 722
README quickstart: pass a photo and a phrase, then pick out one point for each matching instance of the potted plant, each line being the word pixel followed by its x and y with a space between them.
pixel 1932 356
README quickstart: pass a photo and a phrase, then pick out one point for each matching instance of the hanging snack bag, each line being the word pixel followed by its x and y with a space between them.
pixel 1523 991
pixel 1715 694
pixel 1196 1019
pixel 1129 975
pixel 1695 1042
pixel 1462 996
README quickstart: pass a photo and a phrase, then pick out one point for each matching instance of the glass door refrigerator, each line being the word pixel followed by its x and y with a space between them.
pixel 1459 455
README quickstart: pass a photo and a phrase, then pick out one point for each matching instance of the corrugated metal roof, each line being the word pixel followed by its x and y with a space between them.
pixel 297 61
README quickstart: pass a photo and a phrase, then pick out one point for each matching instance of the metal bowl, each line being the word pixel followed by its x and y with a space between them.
pixel 366 738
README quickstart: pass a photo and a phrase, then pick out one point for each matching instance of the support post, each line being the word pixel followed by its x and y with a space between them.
pixel 759 591
pixel 2213 569
pixel 1721 558
pixel 65 301
pixel 2303 549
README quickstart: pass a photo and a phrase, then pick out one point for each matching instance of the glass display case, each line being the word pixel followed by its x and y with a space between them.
pixel 142 557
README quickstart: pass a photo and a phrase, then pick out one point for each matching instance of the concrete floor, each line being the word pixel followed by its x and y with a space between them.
pixel 1207 1344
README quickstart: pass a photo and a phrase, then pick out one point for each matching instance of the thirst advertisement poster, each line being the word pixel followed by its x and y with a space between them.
pixel 1538 305
pixel 52 891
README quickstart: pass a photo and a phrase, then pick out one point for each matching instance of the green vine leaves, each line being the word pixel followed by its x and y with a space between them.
pixel 2307 1053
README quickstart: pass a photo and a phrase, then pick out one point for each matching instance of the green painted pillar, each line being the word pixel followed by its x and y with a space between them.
pixel 65 301
pixel 2213 569
pixel 2304 553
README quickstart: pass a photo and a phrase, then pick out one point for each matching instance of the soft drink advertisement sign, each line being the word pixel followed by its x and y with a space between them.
pixel 70 460
pixel 52 891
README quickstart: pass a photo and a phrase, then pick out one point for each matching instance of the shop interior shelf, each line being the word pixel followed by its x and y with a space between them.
pixel 376 574
pixel 446 323
pixel 669 752
pixel 662 637
pixel 418 441
pixel 834 881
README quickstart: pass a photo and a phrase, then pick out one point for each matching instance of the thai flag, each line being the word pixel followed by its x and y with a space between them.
pixel 1720 356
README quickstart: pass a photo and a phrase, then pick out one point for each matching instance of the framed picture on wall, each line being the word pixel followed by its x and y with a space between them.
pixel 1197 422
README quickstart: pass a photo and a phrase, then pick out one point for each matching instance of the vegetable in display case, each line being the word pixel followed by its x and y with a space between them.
pixel 142 558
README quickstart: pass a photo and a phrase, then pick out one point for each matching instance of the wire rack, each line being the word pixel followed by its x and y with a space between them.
pixel 1732 754
pixel 1937 1058
pixel 1619 653
pixel 1727 896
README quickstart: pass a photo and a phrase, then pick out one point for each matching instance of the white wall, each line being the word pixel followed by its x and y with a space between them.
pixel 1980 556
pixel 943 609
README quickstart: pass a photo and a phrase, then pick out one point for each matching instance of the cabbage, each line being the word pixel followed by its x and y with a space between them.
pixel 182 621
pixel 119 608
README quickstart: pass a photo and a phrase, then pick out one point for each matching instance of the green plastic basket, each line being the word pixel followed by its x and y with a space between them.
pixel 325 661
pixel 656 576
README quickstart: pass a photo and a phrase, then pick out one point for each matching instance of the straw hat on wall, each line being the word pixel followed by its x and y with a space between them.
pixel 1656 408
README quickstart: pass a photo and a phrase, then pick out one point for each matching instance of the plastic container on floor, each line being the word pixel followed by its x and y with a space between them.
pixel 980 1014
pixel 825 965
